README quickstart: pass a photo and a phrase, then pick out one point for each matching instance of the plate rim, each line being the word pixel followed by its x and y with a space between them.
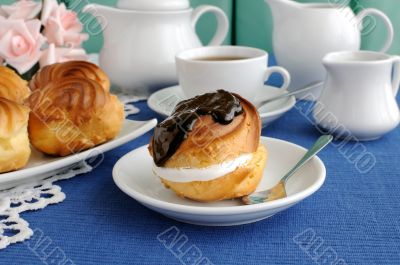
pixel 25 173
pixel 291 102
pixel 219 210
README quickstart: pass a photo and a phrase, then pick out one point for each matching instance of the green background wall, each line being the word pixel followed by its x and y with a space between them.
pixel 253 25
pixel 377 37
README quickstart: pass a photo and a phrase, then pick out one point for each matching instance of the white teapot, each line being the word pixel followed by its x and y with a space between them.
pixel 305 32
pixel 141 38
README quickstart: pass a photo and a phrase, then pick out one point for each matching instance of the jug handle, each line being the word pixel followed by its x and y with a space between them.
pixel 389 26
pixel 222 19
pixel 283 72
pixel 396 75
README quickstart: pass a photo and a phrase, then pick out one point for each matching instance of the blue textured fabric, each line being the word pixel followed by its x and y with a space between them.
pixel 353 219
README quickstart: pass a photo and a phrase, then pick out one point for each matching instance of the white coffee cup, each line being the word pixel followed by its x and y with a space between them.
pixel 236 69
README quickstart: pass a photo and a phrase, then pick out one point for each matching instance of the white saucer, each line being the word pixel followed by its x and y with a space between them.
pixel 41 166
pixel 165 100
pixel 133 175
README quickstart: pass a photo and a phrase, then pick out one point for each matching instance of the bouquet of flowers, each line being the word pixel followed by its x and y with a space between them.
pixel 37 33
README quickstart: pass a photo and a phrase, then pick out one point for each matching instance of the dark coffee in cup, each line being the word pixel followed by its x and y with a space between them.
pixel 220 58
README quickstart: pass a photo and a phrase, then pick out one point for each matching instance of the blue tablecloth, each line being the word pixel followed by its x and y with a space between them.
pixel 353 219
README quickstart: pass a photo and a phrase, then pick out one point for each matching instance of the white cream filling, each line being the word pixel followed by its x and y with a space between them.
pixel 184 175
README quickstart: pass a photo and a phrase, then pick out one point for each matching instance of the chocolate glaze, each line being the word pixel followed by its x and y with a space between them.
pixel 169 135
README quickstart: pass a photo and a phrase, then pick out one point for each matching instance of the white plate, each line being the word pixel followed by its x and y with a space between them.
pixel 41 166
pixel 133 175
pixel 165 100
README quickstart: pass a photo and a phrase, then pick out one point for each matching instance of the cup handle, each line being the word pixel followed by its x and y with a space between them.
pixel 389 26
pixel 396 75
pixel 222 19
pixel 282 71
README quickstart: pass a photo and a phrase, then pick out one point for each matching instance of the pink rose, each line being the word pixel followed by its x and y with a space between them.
pixel 54 55
pixel 3 14
pixel 62 26
pixel 22 9
pixel 20 43
pixel 49 7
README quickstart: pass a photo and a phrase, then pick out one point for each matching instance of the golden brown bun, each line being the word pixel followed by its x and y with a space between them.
pixel 211 143
pixel 14 142
pixel 12 86
pixel 68 70
pixel 243 181
pixel 72 115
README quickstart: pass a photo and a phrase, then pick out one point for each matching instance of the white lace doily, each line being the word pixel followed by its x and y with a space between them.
pixel 128 101
pixel 30 197
pixel 37 195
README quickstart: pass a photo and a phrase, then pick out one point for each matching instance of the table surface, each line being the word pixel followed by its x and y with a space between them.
pixel 353 219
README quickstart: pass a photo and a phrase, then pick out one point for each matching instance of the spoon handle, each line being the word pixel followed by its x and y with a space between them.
pixel 317 147
pixel 298 91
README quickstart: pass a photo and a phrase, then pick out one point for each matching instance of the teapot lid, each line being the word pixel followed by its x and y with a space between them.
pixel 154 5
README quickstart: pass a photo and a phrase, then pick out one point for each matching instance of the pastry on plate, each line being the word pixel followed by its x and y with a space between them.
pixel 73 114
pixel 69 69
pixel 209 149
pixel 14 142
pixel 12 86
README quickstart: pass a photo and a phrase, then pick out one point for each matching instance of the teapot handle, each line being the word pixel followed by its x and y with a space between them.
pixel 222 19
pixel 396 75
pixel 389 26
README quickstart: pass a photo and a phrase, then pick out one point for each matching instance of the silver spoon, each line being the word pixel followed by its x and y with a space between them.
pixel 279 191
pixel 289 94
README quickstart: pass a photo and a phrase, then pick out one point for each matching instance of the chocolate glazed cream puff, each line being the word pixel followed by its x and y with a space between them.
pixel 209 149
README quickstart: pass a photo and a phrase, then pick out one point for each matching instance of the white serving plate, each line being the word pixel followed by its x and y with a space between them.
pixel 133 175
pixel 41 166
pixel 164 101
